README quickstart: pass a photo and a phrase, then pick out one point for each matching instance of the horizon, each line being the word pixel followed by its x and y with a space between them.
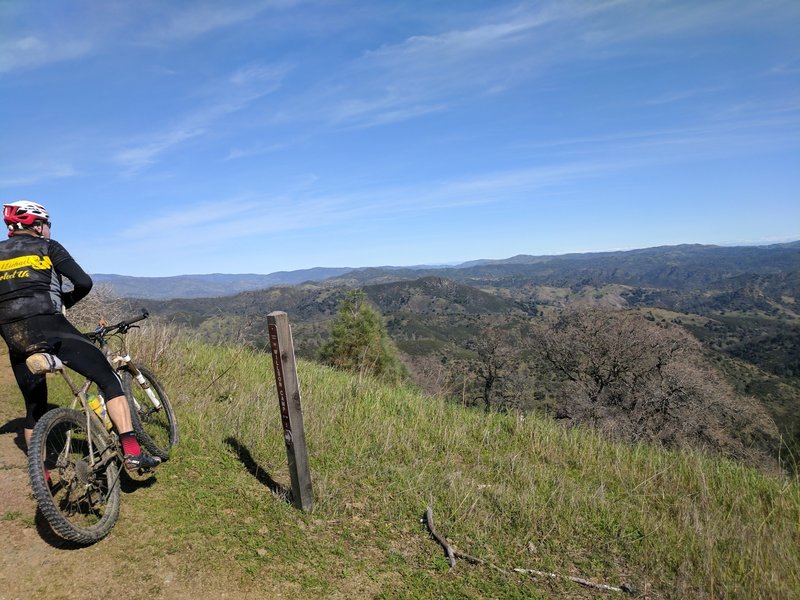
pixel 450 265
pixel 263 136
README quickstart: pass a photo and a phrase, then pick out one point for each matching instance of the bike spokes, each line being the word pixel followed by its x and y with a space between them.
pixel 79 490
pixel 75 482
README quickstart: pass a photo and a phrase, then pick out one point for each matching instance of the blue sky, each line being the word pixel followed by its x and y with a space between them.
pixel 170 138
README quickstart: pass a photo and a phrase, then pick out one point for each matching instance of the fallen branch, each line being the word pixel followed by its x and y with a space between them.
pixel 452 553
pixel 451 558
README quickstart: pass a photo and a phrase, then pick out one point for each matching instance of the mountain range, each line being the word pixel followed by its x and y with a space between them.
pixel 683 267
pixel 209 285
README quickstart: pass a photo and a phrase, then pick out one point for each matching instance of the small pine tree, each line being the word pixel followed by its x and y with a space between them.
pixel 359 341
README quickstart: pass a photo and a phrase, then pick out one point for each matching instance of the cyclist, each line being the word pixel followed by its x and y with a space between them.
pixel 32 320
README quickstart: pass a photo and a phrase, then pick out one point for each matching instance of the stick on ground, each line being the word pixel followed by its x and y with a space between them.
pixel 452 553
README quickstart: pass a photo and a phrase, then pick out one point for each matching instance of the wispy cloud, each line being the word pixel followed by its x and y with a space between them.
pixel 71 33
pixel 256 149
pixel 390 108
pixel 34 172
pixel 786 68
pixel 36 35
pixel 424 74
pixel 309 207
pixel 237 92
pixel 208 224
pixel 204 229
pixel 146 152
pixel 32 51
pixel 196 19
pixel 614 24
pixel 747 134
pixel 676 96
pixel 430 73
pixel 556 165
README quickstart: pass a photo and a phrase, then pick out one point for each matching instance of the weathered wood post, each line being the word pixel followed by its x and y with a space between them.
pixel 280 339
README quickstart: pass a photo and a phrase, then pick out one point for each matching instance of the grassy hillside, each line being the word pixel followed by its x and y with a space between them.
pixel 515 491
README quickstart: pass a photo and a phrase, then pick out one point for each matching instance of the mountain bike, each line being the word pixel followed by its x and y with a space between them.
pixel 152 415
pixel 75 458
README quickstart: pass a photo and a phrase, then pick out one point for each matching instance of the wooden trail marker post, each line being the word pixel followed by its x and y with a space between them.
pixel 280 339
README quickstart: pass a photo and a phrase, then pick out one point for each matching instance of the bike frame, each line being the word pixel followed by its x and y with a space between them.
pixel 79 394
pixel 118 360
pixel 122 360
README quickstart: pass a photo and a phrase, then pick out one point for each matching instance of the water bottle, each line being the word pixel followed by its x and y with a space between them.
pixel 98 405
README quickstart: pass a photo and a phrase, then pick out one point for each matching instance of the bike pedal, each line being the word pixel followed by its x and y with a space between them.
pixel 134 463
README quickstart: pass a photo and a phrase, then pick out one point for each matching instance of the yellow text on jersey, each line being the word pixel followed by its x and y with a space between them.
pixel 40 263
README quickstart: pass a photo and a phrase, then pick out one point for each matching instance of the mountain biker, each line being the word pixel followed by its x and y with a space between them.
pixel 31 320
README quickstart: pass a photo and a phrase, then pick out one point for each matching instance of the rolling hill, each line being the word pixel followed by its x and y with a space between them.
pixel 682 267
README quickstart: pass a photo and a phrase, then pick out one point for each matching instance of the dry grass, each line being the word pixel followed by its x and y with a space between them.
pixel 517 491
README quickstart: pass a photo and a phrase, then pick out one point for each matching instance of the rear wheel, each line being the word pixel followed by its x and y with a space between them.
pixel 77 490
pixel 153 421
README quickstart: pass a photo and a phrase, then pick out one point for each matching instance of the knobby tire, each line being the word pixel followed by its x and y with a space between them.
pixel 80 503
pixel 157 429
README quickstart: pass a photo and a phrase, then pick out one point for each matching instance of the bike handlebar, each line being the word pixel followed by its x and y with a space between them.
pixel 121 327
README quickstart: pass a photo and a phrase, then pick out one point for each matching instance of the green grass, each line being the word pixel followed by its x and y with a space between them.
pixel 515 491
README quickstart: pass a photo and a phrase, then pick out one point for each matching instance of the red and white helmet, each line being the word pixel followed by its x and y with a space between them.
pixel 23 213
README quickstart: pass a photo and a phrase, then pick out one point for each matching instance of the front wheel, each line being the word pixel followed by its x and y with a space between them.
pixel 77 489
pixel 153 417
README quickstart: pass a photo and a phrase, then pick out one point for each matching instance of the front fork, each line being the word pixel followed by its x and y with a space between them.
pixel 125 362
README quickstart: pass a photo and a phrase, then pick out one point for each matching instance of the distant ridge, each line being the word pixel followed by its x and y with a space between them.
pixel 528 259
pixel 210 285
pixel 684 266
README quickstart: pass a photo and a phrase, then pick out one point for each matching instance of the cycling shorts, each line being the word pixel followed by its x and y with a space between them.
pixel 56 335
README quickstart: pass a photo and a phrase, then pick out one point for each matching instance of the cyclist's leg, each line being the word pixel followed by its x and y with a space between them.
pixel 34 391
pixel 81 355
pixel 18 337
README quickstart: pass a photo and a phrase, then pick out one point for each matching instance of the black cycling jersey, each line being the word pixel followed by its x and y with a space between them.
pixel 31 270
pixel 31 319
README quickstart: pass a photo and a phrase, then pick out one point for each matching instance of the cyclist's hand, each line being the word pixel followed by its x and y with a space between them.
pixel 102 323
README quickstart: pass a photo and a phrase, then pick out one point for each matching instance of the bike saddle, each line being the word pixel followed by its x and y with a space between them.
pixel 42 362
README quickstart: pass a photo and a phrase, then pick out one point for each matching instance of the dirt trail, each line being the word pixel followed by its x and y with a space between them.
pixel 30 552
pixel 22 546
pixel 34 563
pixel 24 551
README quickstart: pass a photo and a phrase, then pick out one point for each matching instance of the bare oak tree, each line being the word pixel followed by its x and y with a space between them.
pixel 643 381
pixel 496 377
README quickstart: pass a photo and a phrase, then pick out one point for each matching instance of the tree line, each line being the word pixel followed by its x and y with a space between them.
pixel 619 371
